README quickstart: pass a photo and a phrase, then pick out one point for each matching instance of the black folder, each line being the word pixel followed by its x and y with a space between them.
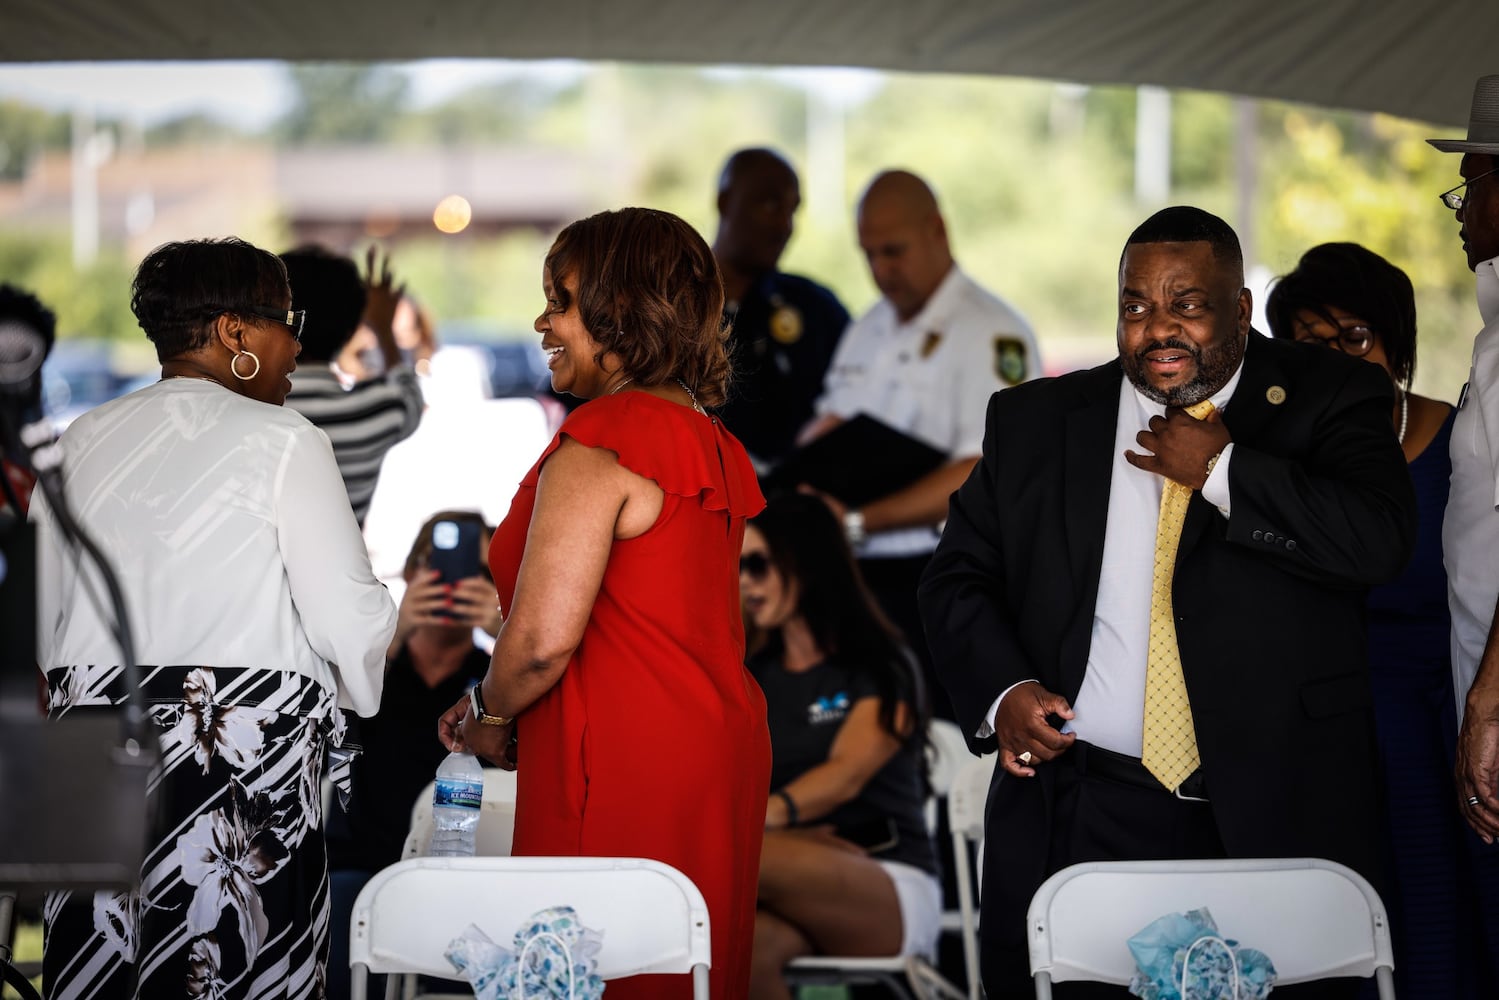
pixel 860 460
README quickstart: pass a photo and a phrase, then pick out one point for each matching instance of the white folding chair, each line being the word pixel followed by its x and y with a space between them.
pixel 947 752
pixel 652 918
pixel 965 820
pixel 1315 919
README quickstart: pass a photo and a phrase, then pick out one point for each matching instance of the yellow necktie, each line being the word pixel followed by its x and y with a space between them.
pixel 1170 741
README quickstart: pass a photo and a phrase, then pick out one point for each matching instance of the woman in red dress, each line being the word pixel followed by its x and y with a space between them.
pixel 620 667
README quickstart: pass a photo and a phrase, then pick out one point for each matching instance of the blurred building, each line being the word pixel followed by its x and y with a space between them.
pixel 338 196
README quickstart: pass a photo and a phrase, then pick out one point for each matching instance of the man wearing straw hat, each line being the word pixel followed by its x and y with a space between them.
pixel 1470 532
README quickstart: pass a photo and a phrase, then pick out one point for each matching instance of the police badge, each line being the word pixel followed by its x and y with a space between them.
pixel 785 322
pixel 1009 359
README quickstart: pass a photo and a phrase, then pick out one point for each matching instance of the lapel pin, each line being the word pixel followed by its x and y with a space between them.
pixel 1276 395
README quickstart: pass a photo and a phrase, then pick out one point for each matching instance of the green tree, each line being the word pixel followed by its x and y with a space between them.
pixel 343 103
pixel 26 131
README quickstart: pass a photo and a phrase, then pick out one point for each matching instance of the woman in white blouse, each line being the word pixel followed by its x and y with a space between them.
pixel 256 615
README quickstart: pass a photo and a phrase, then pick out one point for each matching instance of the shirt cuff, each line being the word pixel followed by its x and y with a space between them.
pixel 1215 490
pixel 987 729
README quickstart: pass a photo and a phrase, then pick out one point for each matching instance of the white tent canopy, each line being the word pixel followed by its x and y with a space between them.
pixel 1413 59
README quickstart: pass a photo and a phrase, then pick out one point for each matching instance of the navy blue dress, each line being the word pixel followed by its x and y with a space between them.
pixel 1435 903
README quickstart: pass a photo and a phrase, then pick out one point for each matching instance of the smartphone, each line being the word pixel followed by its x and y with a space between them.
pixel 455 550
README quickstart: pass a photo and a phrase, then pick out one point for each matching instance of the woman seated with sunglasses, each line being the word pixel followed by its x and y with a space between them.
pixel 255 615
pixel 848 867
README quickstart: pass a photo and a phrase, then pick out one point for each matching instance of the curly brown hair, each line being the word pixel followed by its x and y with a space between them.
pixel 649 290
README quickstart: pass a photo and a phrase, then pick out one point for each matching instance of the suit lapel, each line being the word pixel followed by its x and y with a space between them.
pixel 1248 410
pixel 1088 469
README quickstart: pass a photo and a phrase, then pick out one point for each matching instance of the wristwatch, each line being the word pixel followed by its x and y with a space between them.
pixel 853 527
pixel 476 705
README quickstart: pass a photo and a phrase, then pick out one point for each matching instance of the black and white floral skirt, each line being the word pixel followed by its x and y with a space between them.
pixel 233 900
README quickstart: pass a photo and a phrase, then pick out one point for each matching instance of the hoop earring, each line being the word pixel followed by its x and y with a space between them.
pixel 234 366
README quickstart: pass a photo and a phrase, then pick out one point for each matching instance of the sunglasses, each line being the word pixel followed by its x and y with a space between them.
pixel 755 565
pixel 291 318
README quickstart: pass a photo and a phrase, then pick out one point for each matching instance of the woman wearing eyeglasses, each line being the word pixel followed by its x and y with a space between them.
pixel 848 866
pixel 1348 298
pixel 255 616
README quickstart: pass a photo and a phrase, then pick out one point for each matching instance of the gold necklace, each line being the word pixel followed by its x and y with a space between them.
pixel 200 378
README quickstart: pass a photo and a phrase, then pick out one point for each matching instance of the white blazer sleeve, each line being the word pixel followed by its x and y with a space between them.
pixel 49 584
pixel 347 614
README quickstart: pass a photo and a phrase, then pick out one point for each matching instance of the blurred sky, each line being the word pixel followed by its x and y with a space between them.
pixel 246 93
pixel 250 94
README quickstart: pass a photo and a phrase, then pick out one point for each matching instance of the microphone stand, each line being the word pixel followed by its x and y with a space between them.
pixel 136 752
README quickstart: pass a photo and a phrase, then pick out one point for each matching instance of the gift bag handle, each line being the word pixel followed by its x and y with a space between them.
pixel 520 965
pixel 1233 961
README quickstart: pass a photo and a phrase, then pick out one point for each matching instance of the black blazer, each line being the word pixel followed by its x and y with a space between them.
pixel 1269 602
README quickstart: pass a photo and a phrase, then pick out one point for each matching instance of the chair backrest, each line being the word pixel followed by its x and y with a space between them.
pixel 949 752
pixel 493 839
pixel 652 918
pixel 967 796
pixel 1315 919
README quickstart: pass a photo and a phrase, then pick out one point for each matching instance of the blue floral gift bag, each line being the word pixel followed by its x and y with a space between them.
pixel 552 957
pixel 1181 956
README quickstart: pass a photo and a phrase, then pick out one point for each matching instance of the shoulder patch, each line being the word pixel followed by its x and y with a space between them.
pixel 1010 362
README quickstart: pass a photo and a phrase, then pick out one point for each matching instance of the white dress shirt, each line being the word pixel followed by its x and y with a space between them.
pixel 1470 528
pixel 930 377
pixel 1109 708
pixel 228 526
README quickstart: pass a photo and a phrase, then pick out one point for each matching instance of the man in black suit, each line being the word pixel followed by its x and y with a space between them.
pixel 1038 604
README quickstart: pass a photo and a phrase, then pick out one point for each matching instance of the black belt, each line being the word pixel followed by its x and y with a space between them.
pixel 1089 759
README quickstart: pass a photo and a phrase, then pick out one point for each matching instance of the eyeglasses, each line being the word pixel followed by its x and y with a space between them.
pixel 755 565
pixel 1454 198
pixel 1354 341
pixel 293 318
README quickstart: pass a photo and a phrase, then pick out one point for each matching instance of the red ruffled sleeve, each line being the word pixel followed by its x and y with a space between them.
pixel 672 445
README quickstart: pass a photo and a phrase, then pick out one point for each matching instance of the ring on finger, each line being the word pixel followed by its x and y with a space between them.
pixel 1472 800
pixel 1027 757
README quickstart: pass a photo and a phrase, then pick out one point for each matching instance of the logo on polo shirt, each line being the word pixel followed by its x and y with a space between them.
pixel 828 709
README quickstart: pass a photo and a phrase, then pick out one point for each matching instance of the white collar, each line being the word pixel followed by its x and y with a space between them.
pixel 1487 275
pixel 934 315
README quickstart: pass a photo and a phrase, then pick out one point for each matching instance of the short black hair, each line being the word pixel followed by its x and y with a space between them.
pixel 1188 224
pixel 1355 279
pixel 181 287
pixel 742 159
pixel 328 286
pixel 19 306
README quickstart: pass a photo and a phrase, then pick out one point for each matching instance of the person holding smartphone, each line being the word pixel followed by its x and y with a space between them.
pixel 847 867
pixel 432 661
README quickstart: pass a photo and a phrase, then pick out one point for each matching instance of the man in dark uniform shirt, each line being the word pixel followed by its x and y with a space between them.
pixel 784 327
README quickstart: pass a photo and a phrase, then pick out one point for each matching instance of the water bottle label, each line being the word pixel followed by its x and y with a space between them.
pixel 460 794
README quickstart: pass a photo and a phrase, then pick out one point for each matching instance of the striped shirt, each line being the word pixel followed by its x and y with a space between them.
pixel 362 422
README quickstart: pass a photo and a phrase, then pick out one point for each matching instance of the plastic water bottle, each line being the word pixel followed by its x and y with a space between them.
pixel 455 805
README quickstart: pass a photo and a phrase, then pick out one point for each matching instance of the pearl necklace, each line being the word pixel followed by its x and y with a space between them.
pixel 626 382
pixel 1405 414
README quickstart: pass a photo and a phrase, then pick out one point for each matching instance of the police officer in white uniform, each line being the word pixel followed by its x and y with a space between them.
pixel 925 360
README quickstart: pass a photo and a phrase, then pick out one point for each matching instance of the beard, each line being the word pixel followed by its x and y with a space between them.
pixel 1212 368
